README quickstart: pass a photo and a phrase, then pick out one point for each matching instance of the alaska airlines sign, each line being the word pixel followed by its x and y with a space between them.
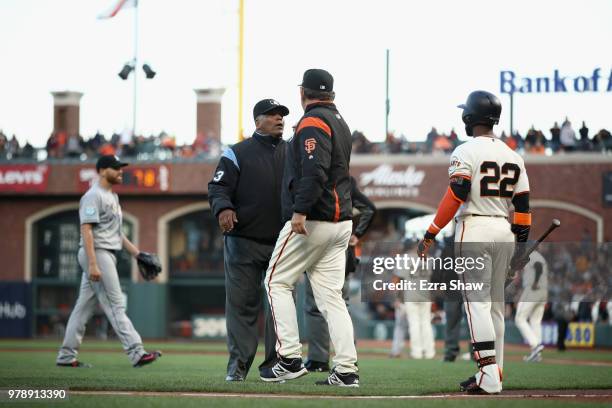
pixel 509 83
pixel 386 182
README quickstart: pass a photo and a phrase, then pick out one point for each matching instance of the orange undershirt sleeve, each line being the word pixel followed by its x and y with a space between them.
pixel 447 209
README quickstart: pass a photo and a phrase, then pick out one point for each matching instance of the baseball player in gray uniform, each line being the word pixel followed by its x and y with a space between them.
pixel 101 239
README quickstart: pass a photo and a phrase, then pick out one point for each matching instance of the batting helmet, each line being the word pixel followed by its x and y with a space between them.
pixel 481 108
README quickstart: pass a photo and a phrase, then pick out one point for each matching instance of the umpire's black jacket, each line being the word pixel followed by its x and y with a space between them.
pixel 316 181
pixel 248 180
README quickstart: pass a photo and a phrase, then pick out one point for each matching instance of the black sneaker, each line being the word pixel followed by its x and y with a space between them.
pixel 148 359
pixel 75 364
pixel 316 366
pixel 450 358
pixel 284 369
pixel 341 380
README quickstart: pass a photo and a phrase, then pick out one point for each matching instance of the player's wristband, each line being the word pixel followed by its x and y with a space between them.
pixel 429 235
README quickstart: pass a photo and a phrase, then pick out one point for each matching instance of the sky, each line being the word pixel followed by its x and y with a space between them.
pixel 440 50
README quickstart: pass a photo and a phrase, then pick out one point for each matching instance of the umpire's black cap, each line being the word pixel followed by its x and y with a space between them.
pixel 318 80
pixel 269 105
pixel 111 161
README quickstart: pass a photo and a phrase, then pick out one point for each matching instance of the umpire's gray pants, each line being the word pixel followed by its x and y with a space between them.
pixel 453 309
pixel 317 331
pixel 108 292
pixel 246 262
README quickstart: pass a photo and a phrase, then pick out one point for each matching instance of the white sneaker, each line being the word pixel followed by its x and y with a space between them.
pixel 535 355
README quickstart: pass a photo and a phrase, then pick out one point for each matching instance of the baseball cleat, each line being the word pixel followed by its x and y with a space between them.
pixel 75 364
pixel 464 384
pixel 284 369
pixel 471 387
pixel 316 366
pixel 341 380
pixel 535 355
pixel 148 358
pixel 234 378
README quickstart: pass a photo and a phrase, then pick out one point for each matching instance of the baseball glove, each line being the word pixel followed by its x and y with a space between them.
pixel 148 265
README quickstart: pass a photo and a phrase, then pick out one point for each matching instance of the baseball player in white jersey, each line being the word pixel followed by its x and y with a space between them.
pixel 101 239
pixel 486 178
pixel 530 308
pixel 418 312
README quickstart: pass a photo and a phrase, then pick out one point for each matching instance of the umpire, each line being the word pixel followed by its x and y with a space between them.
pixel 244 195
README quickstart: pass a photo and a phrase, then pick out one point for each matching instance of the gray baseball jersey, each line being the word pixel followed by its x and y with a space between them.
pixel 100 207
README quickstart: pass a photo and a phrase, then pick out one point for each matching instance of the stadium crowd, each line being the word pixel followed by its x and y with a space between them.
pixel 562 139
pixel 60 145
pixel 163 146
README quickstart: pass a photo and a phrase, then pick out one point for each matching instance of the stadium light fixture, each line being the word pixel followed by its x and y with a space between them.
pixel 125 71
pixel 149 73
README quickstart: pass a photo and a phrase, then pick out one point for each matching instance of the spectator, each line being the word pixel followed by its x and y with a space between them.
pixel 74 146
pixel 454 139
pixel 518 139
pixel 568 136
pixel 442 144
pixel 3 145
pixel 510 141
pixel 555 141
pixel 431 137
pixel 530 138
pixel 126 141
pixel 107 149
pixel 603 140
pixel 361 144
pixel 585 143
pixel 393 144
pixel 28 151
pixel 62 138
pixel 52 146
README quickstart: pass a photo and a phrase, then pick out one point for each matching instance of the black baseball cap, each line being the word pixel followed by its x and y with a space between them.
pixel 268 105
pixel 318 80
pixel 111 161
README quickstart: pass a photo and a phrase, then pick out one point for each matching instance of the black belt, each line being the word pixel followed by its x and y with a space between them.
pixel 483 215
pixel 480 215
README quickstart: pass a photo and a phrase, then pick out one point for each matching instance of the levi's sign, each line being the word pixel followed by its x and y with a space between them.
pixel 556 82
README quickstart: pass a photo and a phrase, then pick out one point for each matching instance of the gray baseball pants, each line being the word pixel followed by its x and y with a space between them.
pixel 108 292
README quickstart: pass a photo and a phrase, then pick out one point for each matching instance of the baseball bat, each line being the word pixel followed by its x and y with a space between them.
pixel 553 225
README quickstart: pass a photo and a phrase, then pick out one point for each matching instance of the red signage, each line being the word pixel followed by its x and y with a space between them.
pixel 152 178
pixel 18 178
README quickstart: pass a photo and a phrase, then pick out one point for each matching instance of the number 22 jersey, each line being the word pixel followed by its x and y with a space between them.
pixel 496 172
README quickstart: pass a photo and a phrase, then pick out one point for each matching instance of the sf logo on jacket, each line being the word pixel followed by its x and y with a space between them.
pixel 310 145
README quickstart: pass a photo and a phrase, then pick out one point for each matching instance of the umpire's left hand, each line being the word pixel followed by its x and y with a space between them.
pixel 298 224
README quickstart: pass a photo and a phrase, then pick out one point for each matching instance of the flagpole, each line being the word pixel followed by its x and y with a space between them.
pixel 240 67
pixel 135 61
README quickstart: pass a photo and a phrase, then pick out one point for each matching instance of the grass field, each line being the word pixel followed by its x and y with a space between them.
pixel 200 368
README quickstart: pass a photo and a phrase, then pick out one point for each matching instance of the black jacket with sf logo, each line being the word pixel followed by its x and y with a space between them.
pixel 316 180
pixel 248 180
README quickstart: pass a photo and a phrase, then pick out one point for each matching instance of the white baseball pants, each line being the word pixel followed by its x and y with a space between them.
pixel 422 343
pixel 529 321
pixel 491 239
pixel 322 254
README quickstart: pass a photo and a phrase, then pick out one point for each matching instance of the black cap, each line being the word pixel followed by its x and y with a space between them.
pixel 111 161
pixel 267 105
pixel 318 80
